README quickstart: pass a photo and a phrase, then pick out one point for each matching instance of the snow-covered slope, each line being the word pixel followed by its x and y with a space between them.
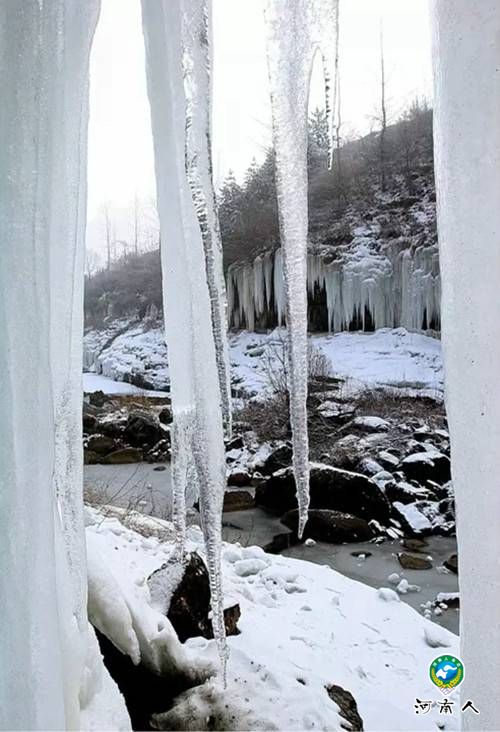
pixel 303 627
pixel 394 358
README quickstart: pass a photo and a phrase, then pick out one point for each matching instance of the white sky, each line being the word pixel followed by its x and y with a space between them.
pixel 120 145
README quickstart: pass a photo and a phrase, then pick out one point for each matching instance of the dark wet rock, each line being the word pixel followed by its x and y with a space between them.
pixel 112 425
pixel 423 466
pixel 124 456
pixel 280 457
pixel 236 443
pixel 239 478
pixel 452 563
pixel 188 605
pixel 330 488
pixel 101 444
pixel 414 561
pixel 160 453
pixel 361 553
pixel 159 468
pixel 89 422
pixel 405 492
pixel 414 545
pixel 97 398
pixel 387 460
pixel 238 501
pixel 347 706
pixel 347 452
pixel 143 429
pixel 330 526
pixel 165 415
pixel 447 508
pixel 281 542
pixel 90 457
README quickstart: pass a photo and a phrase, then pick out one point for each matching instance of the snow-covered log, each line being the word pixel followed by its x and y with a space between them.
pixel 467 130
pixel 189 307
pixel 44 56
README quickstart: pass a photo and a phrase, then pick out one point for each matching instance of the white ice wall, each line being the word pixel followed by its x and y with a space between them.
pixel 466 37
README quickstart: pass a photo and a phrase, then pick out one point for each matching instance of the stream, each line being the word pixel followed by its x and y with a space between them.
pixel 145 488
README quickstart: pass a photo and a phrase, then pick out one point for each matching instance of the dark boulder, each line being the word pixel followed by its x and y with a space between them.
pixel 330 526
pixel 89 422
pixel 143 429
pixel 97 398
pixel 236 443
pixel 423 466
pixel 90 457
pixel 239 478
pixel 188 606
pixel 238 501
pixel 347 706
pixel 413 561
pixel 405 492
pixel 279 457
pixel 332 488
pixel 452 563
pixel 123 456
pixel 101 444
pixel 165 415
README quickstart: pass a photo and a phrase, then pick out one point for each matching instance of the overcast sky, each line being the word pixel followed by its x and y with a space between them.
pixel 120 146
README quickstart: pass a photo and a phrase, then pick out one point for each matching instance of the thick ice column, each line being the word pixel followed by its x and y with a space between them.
pixel 467 134
pixel 297 29
pixel 195 384
pixel 44 53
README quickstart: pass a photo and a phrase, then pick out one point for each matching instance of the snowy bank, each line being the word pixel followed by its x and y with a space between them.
pixel 303 628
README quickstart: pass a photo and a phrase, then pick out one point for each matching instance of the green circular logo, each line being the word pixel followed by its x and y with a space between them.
pixel 446 672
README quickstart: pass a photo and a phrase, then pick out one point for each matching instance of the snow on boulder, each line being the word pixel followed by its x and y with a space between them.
pixel 435 636
pixel 404 492
pixel 331 488
pixel 330 526
pixel 413 521
pixel 388 595
pixel 248 567
pixel 371 424
pixel 271 456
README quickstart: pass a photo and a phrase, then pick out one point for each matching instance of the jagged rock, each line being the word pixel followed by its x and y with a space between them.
pixel 236 443
pixel 405 492
pixel 387 460
pixel 452 563
pixel 347 706
pixel 97 398
pixel 101 444
pixel 413 561
pixel 90 457
pixel 279 458
pixel 112 425
pixel 423 466
pixel 142 428
pixel 335 411
pixel 184 597
pixel 125 455
pixel 330 526
pixel 238 477
pixel 238 501
pixel 161 451
pixel 331 488
pixel 411 518
pixel 165 415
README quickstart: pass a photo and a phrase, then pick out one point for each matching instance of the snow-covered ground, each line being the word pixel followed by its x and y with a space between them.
pixel 303 627
pixel 98 382
pixel 388 358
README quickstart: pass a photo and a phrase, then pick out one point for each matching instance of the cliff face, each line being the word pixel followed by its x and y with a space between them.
pixel 373 258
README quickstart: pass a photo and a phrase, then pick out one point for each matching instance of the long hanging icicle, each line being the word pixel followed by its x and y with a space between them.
pixel 195 378
pixel 297 30
pixel 44 56
pixel 196 37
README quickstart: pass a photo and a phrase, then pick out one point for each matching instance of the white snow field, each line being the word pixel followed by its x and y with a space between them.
pixel 303 627
pixel 387 358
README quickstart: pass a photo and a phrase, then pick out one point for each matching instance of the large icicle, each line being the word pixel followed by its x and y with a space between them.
pixel 44 55
pixel 466 135
pixel 297 30
pixel 195 384
pixel 196 37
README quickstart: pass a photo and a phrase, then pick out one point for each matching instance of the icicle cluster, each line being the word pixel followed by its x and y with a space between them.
pixel 44 57
pixel 297 31
pixel 396 288
pixel 176 36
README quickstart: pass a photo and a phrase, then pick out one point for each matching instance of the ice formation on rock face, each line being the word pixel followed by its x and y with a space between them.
pixel 195 378
pixel 44 55
pixel 388 289
pixel 467 127
pixel 297 30
pixel 196 28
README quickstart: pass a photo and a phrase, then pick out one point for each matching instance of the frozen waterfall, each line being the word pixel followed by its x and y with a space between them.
pixel 362 288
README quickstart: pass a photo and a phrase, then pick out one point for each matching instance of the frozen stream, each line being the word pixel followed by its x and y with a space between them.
pixel 147 489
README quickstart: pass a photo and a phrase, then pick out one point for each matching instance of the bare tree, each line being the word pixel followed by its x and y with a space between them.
pixel 91 263
pixel 383 112
pixel 109 234
pixel 136 225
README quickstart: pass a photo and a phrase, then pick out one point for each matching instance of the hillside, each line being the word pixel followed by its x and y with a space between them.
pixel 373 258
